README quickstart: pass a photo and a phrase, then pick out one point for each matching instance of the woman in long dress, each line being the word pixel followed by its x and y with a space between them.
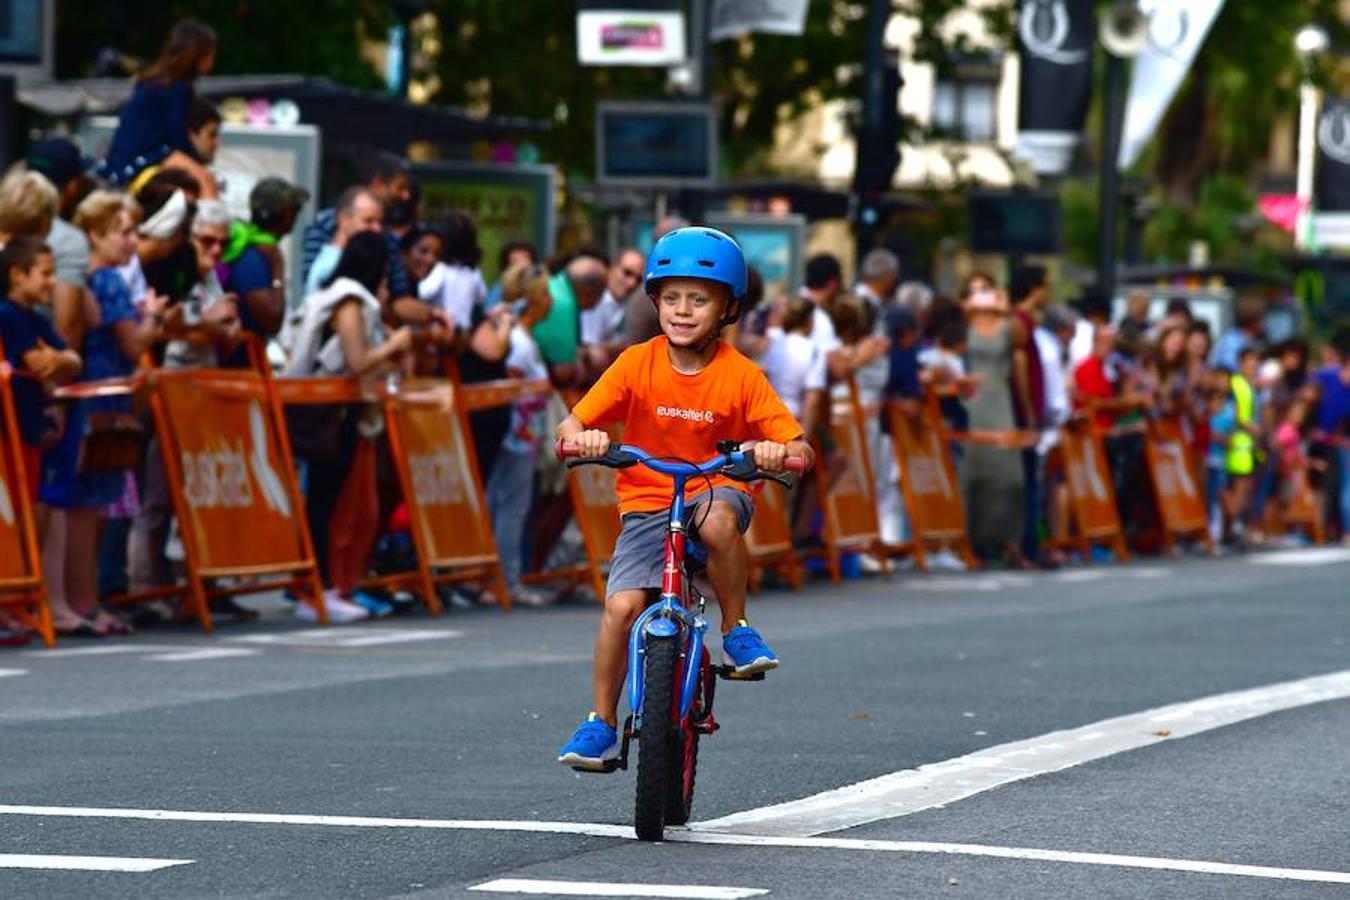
pixel 991 477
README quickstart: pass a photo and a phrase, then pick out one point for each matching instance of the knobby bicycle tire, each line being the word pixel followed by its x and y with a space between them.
pixel 656 741
pixel 680 778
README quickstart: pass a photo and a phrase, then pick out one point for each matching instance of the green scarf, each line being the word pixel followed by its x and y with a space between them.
pixel 242 236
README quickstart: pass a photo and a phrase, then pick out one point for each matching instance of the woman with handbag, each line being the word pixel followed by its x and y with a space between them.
pixel 339 331
pixel 87 471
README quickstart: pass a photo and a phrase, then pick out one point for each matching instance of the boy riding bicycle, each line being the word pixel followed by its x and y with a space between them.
pixel 678 395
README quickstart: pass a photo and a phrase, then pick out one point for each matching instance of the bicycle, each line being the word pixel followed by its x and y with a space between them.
pixel 671 681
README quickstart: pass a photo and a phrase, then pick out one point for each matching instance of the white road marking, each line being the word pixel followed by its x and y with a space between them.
pixel 1029 853
pixel 204 653
pixel 1313 556
pixel 969 583
pixel 938 784
pixel 87 863
pixel 12 673
pixel 349 637
pixel 1146 572
pixel 1079 576
pixel 615 889
pixel 593 829
pixel 107 650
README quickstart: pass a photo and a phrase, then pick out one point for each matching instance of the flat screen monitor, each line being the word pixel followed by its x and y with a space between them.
pixel 26 33
pixel 1013 222
pixel 656 145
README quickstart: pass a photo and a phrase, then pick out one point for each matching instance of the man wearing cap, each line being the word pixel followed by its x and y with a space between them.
pixel 61 163
pixel 252 264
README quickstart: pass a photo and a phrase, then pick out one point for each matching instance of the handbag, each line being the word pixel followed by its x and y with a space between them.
pixel 112 442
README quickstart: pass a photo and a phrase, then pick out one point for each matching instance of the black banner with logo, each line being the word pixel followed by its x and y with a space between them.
pixel 1332 187
pixel 1056 39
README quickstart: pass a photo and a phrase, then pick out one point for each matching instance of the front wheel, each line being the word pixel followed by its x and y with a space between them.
pixel 657 756
pixel 680 787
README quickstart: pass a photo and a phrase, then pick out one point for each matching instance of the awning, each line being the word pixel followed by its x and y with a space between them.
pixel 346 115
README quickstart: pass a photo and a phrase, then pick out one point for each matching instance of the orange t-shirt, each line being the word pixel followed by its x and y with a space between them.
pixel 668 413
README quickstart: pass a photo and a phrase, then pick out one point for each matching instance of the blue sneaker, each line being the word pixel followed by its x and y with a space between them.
pixel 595 744
pixel 745 651
pixel 377 608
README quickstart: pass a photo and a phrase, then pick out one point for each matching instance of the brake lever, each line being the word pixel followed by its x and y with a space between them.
pixel 786 481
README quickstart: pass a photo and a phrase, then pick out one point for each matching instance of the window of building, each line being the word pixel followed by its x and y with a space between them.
pixel 965 102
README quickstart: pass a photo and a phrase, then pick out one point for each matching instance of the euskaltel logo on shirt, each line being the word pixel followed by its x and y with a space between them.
pixel 704 416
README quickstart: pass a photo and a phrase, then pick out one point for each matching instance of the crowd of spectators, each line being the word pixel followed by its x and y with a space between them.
pixel 132 261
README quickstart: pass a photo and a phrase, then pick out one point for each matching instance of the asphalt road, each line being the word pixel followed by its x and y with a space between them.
pixel 414 757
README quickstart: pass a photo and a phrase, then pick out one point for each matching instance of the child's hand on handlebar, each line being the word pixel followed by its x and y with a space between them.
pixel 769 456
pixel 592 443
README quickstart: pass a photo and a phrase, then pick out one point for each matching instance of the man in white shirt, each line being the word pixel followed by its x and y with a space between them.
pixel 603 325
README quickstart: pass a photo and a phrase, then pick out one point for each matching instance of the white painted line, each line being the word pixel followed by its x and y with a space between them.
pixel 398 637
pixel 12 673
pixel 1146 572
pixel 593 829
pixel 958 583
pixel 1313 556
pixel 176 815
pixel 106 650
pixel 1028 853
pixel 349 637
pixel 87 863
pixel 1079 576
pixel 614 889
pixel 938 784
pixel 204 654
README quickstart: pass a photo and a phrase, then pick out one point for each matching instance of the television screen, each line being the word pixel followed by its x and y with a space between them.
pixel 1014 222
pixel 656 144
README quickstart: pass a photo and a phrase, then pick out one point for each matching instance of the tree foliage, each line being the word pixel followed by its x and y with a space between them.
pixel 513 58
pixel 255 37
pixel 1245 76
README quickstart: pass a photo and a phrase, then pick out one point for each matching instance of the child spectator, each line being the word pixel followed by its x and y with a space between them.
pixel 510 490
pixel 40 359
pixel 945 363
pixel 153 127
pixel 1242 446
pixel 38 354
pixel 203 129
pixel 1222 425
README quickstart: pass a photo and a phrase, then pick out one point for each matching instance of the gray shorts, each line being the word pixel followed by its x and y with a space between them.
pixel 639 553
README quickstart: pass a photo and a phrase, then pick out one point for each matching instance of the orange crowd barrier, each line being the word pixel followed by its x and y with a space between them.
pixel 438 472
pixel 23 593
pixel 1176 489
pixel 847 492
pixel 595 508
pixel 928 483
pixel 231 479
pixel 769 539
pixel 1298 508
pixel 443 485
pixel 1092 494
pixel 595 505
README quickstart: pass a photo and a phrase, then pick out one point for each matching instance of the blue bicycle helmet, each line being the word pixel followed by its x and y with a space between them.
pixel 698 252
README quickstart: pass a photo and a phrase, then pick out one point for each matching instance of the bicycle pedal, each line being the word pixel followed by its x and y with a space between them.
pixel 728 673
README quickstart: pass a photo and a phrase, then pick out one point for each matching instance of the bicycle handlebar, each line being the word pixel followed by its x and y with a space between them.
pixel 736 464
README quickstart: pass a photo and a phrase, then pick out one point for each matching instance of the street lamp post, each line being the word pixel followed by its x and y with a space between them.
pixel 1310 41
